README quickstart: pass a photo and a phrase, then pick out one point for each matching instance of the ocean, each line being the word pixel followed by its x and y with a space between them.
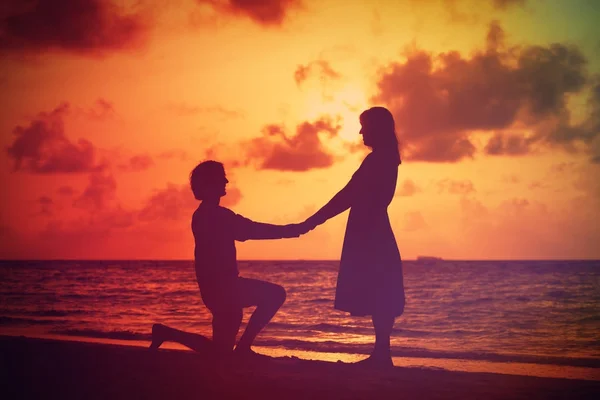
pixel 526 312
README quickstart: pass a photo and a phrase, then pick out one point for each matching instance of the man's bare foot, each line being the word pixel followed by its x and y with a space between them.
pixel 158 336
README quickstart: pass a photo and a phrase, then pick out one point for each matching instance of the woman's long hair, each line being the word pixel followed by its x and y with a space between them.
pixel 382 121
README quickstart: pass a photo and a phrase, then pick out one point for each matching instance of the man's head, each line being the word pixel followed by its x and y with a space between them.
pixel 208 180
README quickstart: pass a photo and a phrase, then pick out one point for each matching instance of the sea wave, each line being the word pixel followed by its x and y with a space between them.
pixel 92 333
pixel 16 321
pixel 330 346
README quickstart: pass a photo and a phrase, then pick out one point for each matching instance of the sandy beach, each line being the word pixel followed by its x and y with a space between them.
pixel 43 368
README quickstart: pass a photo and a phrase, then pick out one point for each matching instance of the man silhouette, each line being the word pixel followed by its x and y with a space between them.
pixel 223 291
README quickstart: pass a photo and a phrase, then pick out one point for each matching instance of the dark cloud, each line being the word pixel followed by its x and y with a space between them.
pixel 43 148
pixel 46 204
pixel 440 101
pixel 301 152
pixel 99 192
pixel 408 188
pixel 78 26
pixel 66 191
pixel 172 203
pixel 455 186
pixel 504 4
pixel 140 162
pixel 509 144
pixel 102 109
pixel 262 12
pixel 320 68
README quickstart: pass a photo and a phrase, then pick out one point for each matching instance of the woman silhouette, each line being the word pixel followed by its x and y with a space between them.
pixel 370 280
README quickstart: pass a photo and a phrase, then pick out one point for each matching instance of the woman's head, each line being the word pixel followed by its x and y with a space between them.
pixel 379 130
pixel 208 180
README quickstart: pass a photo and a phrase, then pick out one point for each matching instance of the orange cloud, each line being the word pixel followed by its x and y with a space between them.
pixel 321 68
pixel 87 27
pixel 408 188
pixel 184 110
pixel 455 187
pixel 301 152
pixel 413 221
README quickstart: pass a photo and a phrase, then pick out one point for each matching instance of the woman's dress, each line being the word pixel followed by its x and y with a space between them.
pixel 370 279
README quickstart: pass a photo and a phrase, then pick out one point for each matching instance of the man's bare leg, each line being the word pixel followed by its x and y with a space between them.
pixel 271 301
pixel 162 333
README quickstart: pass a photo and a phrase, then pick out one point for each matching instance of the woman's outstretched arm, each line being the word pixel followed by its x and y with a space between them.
pixel 338 203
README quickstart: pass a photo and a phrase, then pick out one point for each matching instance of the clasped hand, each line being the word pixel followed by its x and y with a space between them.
pixel 295 230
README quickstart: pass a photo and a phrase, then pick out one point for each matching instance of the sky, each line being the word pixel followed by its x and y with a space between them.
pixel 108 106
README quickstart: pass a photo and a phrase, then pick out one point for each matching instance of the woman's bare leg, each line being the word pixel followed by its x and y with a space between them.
pixel 381 356
pixel 383 325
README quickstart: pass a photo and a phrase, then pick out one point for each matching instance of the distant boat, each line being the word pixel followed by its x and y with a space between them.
pixel 428 260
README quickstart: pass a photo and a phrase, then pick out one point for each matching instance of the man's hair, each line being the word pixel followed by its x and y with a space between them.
pixel 203 176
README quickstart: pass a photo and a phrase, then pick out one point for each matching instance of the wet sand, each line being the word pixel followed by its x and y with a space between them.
pixel 44 368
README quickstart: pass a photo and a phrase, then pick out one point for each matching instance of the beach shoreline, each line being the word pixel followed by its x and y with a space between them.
pixel 541 370
pixel 47 368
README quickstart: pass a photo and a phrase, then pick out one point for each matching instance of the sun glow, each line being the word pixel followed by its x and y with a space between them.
pixel 343 106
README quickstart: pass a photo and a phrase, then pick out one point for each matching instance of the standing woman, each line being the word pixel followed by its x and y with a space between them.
pixel 370 280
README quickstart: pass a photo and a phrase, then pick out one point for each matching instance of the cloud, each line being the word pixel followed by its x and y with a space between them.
pixel 508 144
pixel 408 188
pixel 262 12
pixel 184 110
pixel 413 221
pixel 175 202
pixel 46 204
pixel 301 152
pixel 321 68
pixel 99 192
pixel 103 109
pixel 172 203
pixel 65 191
pixel 86 27
pixel 140 162
pixel 504 4
pixel 182 155
pixel 455 186
pixel 43 148
pixel 441 101
pixel 536 185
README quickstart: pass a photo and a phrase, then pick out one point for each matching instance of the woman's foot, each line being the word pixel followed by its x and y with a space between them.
pixel 246 353
pixel 158 336
pixel 376 362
